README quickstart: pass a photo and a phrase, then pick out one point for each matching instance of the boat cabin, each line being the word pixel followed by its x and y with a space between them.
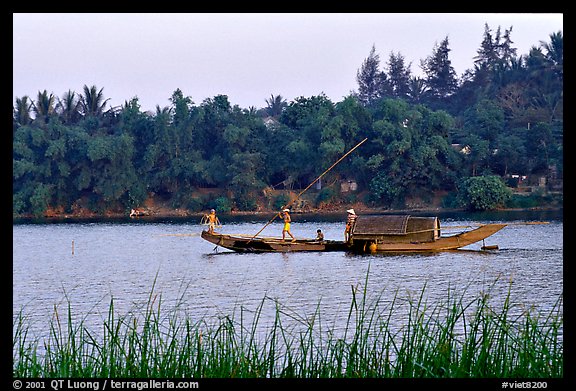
pixel 396 229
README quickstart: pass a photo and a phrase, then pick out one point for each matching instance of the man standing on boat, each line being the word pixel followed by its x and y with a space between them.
pixel 212 220
pixel 287 221
pixel 350 221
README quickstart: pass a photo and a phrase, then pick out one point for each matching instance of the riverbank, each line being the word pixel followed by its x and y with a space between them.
pixel 153 207
pixel 539 213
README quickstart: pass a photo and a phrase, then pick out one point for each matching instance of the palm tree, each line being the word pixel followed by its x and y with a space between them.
pixel 22 111
pixel 275 105
pixel 555 52
pixel 93 102
pixel 416 89
pixel 69 107
pixel 44 106
pixel 252 110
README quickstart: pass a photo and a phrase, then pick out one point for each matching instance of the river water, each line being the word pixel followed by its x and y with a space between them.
pixel 84 265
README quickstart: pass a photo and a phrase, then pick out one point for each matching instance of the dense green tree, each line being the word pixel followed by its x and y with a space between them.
pixel 160 154
pixel 506 51
pixel 486 119
pixel 410 147
pixel 477 154
pixel 278 162
pixel 372 82
pixel 113 172
pixel 509 157
pixel 399 76
pixel 331 142
pixel 488 55
pixel 504 116
pixel 308 117
pixel 440 74
pixel 385 191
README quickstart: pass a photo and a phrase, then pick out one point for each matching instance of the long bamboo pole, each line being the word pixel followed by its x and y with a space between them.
pixel 309 186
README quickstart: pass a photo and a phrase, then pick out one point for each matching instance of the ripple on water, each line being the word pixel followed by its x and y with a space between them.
pixel 129 262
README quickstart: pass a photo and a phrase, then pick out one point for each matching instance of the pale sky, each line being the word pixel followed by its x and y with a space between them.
pixel 246 56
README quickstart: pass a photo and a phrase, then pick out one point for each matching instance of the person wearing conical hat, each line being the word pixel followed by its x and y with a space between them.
pixel 350 221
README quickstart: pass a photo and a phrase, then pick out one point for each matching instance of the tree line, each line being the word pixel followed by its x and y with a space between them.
pixel 425 134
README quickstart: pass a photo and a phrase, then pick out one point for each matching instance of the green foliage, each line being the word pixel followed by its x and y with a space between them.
pixel 223 204
pixel 246 201
pixel 326 196
pixel 280 201
pixel 457 337
pixel 40 199
pixel 195 204
pixel 483 193
pixel 533 200
pixel 384 191
pixel 19 203
pixel 507 112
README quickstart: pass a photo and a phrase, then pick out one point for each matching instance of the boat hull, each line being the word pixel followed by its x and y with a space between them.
pixel 244 243
pixel 444 243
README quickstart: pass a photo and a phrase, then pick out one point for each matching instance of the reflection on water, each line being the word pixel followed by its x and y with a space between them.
pixel 87 264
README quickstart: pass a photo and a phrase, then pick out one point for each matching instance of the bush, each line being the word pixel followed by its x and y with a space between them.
pixel 246 201
pixel 40 199
pixel 326 195
pixel 483 193
pixel 195 204
pixel 222 205
pixel 384 191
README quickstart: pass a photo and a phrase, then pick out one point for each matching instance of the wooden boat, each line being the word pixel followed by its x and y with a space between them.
pixel 405 233
pixel 251 244
pixel 371 234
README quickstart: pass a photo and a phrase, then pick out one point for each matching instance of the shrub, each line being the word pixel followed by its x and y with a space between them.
pixel 222 205
pixel 246 201
pixel 483 193
pixel 326 195
pixel 384 191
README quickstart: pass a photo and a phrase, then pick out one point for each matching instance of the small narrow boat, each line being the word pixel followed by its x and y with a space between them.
pixel 386 233
pixel 251 244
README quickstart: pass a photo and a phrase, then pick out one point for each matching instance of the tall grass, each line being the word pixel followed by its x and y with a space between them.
pixel 452 339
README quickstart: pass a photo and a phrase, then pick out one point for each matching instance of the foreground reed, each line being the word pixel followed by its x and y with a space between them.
pixel 452 339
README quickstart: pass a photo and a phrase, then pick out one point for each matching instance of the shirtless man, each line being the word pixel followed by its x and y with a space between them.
pixel 287 221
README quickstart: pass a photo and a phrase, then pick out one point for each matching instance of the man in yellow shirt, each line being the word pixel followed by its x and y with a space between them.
pixel 287 221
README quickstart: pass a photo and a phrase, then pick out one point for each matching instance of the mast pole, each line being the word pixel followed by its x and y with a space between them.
pixel 309 186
